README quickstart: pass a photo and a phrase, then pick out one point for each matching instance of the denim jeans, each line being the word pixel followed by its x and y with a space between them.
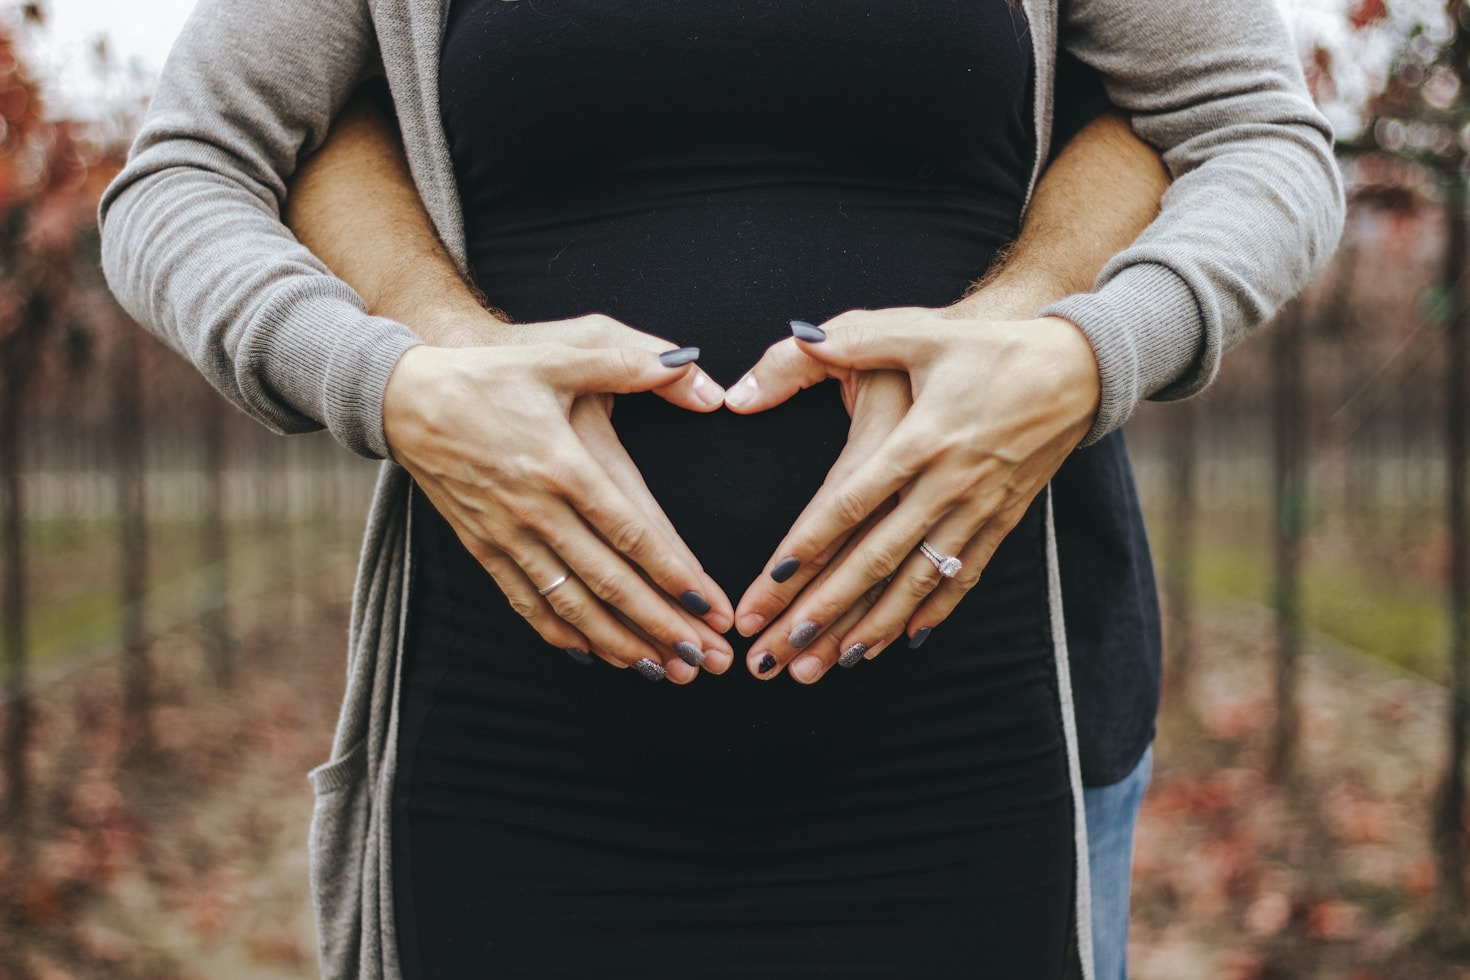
pixel 1111 813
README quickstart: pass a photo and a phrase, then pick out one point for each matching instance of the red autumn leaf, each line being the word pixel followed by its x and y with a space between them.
pixel 1367 12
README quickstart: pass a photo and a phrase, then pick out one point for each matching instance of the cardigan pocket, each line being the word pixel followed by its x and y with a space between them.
pixel 338 849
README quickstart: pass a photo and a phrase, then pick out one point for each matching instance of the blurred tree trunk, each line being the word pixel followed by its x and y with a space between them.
pixel 1449 830
pixel 219 636
pixel 128 441
pixel 282 510
pixel 1179 545
pixel 1290 499
pixel 17 366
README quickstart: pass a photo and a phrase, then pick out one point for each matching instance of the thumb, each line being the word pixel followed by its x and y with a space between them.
pixel 783 370
pixel 616 370
pixel 868 340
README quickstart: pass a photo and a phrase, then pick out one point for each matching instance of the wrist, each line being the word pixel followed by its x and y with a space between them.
pixel 1066 348
pixel 440 308
pixel 1013 295
pixel 400 396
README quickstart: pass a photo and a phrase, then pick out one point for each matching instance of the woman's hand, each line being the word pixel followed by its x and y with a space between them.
pixel 513 445
pixel 997 406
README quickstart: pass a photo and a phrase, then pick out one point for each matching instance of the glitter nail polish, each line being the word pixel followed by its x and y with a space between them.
pixel 650 670
pixel 689 653
pixel 804 634
pixel 853 655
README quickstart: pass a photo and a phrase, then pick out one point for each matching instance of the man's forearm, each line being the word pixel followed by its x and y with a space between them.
pixel 354 204
pixel 1100 192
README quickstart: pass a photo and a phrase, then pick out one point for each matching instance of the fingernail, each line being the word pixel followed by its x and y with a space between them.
pixel 689 653
pixel 679 357
pixel 717 661
pixel 750 624
pixel 650 670
pixel 805 669
pixel 706 390
pixel 853 655
pixel 917 640
pixel 743 392
pixel 809 332
pixel 785 569
pixel 804 634
pixel 580 656
pixel 767 664
pixel 695 603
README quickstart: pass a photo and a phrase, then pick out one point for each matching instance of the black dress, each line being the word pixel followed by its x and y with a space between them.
pixel 706 172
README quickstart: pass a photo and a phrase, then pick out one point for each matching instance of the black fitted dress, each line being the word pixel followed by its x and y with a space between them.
pixel 706 172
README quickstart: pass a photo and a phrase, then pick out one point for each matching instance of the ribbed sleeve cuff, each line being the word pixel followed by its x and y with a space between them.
pixel 1147 332
pixel 330 361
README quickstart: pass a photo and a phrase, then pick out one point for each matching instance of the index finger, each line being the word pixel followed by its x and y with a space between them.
pixel 840 506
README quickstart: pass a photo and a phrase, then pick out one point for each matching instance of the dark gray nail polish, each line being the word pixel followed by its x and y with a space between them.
pixel 650 670
pixel 679 358
pixel 804 634
pixel 580 656
pixel 809 332
pixel 689 653
pixel 767 664
pixel 853 655
pixel 917 640
pixel 785 569
pixel 695 603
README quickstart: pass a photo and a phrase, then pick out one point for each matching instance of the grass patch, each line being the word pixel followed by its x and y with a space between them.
pixel 1358 603
pixel 74 603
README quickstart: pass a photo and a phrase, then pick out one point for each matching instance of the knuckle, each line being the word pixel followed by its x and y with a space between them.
pixel 558 472
pixel 876 563
pixel 629 536
pixel 919 586
pixel 850 507
pixel 629 360
pixel 525 511
pixel 568 606
pixel 968 579
pixel 599 325
pixel 524 606
pixel 608 585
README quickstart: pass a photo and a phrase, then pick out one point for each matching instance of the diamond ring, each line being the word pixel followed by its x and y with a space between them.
pixel 948 567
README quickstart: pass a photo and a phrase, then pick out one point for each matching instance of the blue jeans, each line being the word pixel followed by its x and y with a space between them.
pixel 1111 812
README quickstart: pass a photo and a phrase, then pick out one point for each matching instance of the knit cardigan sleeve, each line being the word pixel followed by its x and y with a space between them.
pixel 1256 207
pixel 192 241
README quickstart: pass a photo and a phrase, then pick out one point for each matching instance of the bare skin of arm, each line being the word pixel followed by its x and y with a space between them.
pixel 353 204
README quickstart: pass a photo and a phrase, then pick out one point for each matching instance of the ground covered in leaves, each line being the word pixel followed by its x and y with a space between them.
pixel 188 859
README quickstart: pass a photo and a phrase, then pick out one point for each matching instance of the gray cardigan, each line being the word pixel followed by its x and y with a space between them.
pixel 194 249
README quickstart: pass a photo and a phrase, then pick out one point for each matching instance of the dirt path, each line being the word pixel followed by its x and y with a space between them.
pixel 1237 878
pixel 191 860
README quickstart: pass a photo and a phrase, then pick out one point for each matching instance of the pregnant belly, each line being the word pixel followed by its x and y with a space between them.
pixel 727 273
pixel 732 485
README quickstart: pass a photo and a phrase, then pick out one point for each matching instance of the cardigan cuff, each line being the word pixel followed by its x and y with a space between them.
pixel 330 361
pixel 1147 332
